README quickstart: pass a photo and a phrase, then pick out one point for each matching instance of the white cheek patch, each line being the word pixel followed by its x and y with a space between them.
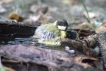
pixel 61 27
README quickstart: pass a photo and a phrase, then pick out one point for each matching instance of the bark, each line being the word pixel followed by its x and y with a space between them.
pixel 15 29
pixel 46 59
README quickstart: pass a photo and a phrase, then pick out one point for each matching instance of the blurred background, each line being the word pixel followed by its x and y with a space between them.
pixel 44 11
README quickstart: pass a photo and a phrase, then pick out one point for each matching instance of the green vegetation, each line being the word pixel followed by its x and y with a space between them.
pixel 20 6
pixel 88 19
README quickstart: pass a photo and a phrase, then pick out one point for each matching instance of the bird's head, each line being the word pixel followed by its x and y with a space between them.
pixel 61 24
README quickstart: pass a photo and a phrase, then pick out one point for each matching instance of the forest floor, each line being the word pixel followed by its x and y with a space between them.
pixel 45 11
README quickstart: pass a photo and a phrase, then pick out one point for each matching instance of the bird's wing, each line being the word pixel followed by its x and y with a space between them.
pixel 46 29
pixel 49 34
pixel 39 31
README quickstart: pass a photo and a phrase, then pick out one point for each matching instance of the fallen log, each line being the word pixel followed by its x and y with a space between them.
pixel 16 29
pixel 46 59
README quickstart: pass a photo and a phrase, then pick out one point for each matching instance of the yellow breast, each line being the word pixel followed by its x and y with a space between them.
pixel 63 34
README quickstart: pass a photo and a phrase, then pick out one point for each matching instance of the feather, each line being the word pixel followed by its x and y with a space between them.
pixel 49 34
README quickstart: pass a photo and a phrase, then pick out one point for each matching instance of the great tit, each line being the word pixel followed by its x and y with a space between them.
pixel 50 34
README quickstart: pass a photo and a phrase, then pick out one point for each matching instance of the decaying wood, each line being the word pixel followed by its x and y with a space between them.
pixel 13 22
pixel 39 58
pixel 52 60
pixel 102 44
pixel 87 45
pixel 8 69
pixel 16 29
pixel 84 33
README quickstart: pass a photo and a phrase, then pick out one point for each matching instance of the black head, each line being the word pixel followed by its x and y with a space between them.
pixel 62 24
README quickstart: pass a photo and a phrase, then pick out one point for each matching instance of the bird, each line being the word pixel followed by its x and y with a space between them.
pixel 51 33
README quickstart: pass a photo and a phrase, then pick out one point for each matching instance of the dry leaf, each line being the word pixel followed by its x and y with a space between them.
pixel 91 14
pixel 41 8
pixel 66 1
pixel 7 1
pixel 83 26
pixel 89 26
pixel 102 28
pixel 15 16
pixel 2 9
pixel 34 18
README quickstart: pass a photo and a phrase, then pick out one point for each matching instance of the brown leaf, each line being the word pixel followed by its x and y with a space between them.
pixel 15 16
